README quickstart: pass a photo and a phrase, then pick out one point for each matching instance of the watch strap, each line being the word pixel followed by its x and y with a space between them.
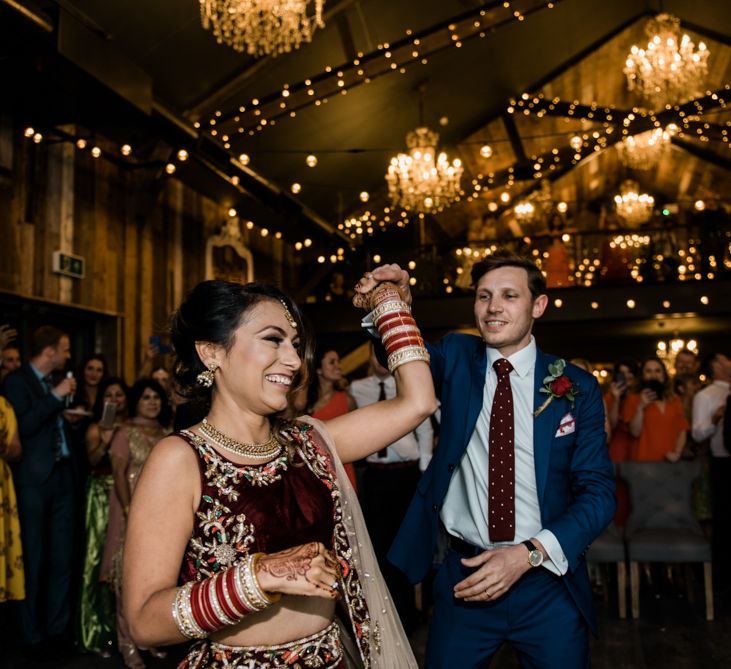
pixel 529 545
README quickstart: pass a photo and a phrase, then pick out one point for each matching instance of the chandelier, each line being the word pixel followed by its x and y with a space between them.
pixel 420 180
pixel 524 212
pixel 631 206
pixel 643 151
pixel 669 70
pixel 261 27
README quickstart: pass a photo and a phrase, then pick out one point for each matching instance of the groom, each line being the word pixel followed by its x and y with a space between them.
pixel 519 487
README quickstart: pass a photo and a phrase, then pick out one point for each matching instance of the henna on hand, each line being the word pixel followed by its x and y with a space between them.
pixel 298 564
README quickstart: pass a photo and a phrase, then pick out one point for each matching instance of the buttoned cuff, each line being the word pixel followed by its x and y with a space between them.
pixel 557 562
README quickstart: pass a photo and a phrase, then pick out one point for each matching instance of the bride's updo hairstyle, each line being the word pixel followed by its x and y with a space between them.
pixel 212 312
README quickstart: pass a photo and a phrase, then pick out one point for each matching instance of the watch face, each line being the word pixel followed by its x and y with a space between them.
pixel 535 558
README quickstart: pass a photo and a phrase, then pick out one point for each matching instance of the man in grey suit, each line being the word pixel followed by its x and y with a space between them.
pixel 44 481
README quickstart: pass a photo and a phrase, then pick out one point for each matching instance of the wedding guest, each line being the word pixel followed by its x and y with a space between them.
pixel 259 510
pixel 91 372
pixel 46 485
pixel 12 575
pixel 9 360
pixel 97 610
pixel 131 445
pixel 327 397
pixel 655 416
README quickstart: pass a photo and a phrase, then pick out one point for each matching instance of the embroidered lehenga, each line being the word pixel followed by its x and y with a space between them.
pixel 303 493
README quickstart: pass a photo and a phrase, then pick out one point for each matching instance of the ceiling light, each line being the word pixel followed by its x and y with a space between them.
pixel 262 27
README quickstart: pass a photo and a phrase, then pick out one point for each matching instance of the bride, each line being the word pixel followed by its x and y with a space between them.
pixel 258 510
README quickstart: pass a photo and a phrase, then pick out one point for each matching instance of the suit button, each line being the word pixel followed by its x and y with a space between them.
pixel 450 468
pixel 435 507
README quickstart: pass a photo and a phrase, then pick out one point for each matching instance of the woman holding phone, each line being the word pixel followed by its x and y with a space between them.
pixel 655 416
pixel 96 621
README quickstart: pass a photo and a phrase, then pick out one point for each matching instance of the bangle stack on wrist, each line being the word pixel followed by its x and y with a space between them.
pixel 220 601
pixel 399 333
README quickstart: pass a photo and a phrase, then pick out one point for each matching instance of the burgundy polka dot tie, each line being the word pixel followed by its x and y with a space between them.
pixel 501 505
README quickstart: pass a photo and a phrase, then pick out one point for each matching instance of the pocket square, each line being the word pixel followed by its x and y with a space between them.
pixel 566 426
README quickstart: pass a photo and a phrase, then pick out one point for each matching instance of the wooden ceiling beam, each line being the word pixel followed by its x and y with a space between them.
pixel 706 155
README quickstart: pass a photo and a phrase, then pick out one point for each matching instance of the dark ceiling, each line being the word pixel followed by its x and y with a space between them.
pixel 155 55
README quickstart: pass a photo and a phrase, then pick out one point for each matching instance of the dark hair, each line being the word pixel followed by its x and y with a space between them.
pixel 629 364
pixel 683 381
pixel 686 351
pixel 322 348
pixel 212 312
pixel 81 381
pixel 11 346
pixel 43 337
pixel 135 395
pixel 536 280
pixel 104 385
pixel 706 367
pixel 667 385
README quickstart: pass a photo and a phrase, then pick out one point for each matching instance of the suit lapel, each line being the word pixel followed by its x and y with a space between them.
pixel 477 389
pixel 544 425
pixel 36 386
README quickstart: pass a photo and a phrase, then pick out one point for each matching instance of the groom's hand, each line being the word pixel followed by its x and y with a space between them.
pixel 497 570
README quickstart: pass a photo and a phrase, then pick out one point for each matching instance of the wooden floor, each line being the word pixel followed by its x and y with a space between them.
pixel 672 633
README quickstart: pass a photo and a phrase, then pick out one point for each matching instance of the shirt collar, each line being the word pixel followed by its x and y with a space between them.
pixel 523 361
pixel 723 384
pixel 40 376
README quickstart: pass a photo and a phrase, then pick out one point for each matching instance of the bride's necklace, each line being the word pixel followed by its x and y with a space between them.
pixel 265 450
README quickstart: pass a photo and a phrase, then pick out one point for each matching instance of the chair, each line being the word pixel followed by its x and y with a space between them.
pixel 661 526
pixel 609 548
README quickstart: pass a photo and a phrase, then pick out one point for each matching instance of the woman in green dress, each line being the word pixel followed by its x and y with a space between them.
pixel 96 624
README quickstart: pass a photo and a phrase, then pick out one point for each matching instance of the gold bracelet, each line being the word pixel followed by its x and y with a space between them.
pixel 407 354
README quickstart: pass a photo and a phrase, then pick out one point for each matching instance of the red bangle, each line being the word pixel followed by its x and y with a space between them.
pixel 195 607
pixel 387 321
pixel 403 343
pixel 223 601
pixel 210 613
pixel 233 593
pixel 397 340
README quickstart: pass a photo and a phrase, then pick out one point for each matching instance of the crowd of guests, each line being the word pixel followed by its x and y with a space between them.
pixel 72 447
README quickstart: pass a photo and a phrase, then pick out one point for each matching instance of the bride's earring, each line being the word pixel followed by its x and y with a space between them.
pixel 205 378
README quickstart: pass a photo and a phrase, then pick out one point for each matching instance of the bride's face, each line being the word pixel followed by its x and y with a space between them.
pixel 258 370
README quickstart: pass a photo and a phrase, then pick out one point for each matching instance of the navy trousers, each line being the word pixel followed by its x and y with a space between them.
pixel 537 617
pixel 47 529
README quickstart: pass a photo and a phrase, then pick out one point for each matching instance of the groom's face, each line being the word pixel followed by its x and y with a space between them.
pixel 505 309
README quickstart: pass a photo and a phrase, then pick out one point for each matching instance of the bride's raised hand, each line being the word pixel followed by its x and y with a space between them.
pixel 309 569
pixel 385 273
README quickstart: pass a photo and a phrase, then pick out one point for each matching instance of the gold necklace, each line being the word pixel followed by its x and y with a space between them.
pixel 265 450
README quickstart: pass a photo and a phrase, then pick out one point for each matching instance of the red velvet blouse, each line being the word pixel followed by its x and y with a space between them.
pixel 253 508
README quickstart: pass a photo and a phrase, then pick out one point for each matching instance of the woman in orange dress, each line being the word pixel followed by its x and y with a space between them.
pixel 655 416
pixel 326 396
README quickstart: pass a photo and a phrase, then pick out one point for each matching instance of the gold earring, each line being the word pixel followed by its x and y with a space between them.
pixel 205 378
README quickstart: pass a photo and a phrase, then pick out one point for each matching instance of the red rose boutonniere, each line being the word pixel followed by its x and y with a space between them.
pixel 557 385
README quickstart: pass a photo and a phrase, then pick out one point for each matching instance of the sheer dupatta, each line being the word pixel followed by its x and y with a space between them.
pixel 387 646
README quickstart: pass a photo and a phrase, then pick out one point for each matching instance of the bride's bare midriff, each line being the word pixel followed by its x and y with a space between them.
pixel 291 618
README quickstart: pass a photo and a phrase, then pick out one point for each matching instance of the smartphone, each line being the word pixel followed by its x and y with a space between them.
pixel 109 413
pixel 156 341
pixel 656 387
pixel 619 377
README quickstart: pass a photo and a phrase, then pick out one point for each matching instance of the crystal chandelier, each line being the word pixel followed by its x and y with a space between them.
pixel 669 70
pixel 643 151
pixel 631 206
pixel 420 180
pixel 262 27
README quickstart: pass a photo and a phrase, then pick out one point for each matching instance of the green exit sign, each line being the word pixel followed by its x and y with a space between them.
pixel 69 265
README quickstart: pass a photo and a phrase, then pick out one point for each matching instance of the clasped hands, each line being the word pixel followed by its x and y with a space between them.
pixel 370 280
pixel 310 569
pixel 496 572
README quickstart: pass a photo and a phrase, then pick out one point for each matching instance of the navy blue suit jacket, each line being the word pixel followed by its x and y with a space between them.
pixel 574 476
pixel 37 412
